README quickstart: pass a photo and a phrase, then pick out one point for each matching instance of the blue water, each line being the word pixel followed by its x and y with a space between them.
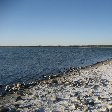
pixel 29 63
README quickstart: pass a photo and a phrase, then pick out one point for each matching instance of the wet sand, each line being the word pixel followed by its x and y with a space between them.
pixel 88 89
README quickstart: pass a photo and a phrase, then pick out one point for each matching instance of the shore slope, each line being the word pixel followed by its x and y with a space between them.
pixel 84 90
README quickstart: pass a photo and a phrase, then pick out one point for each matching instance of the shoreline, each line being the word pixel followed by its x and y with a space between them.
pixel 72 89
pixel 30 64
pixel 60 74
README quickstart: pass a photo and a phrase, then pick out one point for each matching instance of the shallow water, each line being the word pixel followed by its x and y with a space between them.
pixel 18 64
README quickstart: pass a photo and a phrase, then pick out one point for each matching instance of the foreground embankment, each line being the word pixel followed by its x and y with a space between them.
pixel 87 89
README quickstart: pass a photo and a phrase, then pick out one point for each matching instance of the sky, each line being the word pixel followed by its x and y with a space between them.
pixel 55 22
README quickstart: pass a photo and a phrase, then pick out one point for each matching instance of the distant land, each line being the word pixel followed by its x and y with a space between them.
pixel 79 46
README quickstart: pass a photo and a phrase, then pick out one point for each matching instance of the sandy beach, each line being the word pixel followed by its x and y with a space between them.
pixel 88 89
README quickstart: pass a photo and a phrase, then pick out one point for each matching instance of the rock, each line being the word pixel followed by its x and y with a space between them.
pixel 58 99
pixel 18 98
pixel 96 87
pixel 20 92
pixel 25 106
pixel 12 110
pixel 91 102
pixel 26 86
pixel 32 83
pixel 78 83
pixel 54 81
pixel 2 93
pixel 4 109
pixel 97 93
pixel 56 111
pixel 105 110
pixel 14 88
pixel 30 93
pixel 53 76
pixel 1 86
pixel 18 86
pixel 40 110
pixel 77 93
pixel 110 109
pixel 78 106
pixel 18 110
pixel 104 82
pixel 88 100
pixel 16 105
pixel 7 88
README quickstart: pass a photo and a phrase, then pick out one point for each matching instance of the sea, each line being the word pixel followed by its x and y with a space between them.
pixel 24 64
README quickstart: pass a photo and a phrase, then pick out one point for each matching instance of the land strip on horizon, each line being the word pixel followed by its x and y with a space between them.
pixel 79 46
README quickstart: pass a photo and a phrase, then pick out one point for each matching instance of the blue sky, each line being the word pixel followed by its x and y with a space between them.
pixel 55 22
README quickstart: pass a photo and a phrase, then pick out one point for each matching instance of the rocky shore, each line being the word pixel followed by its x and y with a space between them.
pixel 87 89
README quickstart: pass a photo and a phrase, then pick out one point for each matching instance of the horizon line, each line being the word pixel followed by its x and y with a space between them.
pixel 57 45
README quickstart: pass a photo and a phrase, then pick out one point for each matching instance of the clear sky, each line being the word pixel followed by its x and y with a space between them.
pixel 55 22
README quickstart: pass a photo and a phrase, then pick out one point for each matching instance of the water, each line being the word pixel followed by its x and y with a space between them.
pixel 18 64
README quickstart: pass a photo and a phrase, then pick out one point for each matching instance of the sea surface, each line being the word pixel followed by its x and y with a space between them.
pixel 23 64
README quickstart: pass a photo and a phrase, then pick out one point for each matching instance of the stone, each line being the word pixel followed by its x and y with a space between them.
pixel 20 92
pixel 55 81
pixel 12 110
pixel 17 105
pixel 2 93
pixel 91 103
pixel 4 109
pixel 96 87
pixel 18 98
pixel 18 110
pixel 40 110
pixel 25 106
pixel 1 86
pixel 7 88
pixel 78 83
pixel 77 93
pixel 110 110
pixel 104 82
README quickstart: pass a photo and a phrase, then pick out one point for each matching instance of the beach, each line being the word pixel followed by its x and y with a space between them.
pixel 87 89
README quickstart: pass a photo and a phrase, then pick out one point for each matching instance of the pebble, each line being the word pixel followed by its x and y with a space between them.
pixel 18 98
pixel 12 110
pixel 4 109
pixel 40 110
pixel 1 86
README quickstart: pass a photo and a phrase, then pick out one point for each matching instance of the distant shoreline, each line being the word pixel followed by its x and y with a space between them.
pixel 77 46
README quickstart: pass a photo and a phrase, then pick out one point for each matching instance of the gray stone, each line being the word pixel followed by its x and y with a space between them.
pixel 40 110
pixel 18 98
pixel 12 110
pixel 4 109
